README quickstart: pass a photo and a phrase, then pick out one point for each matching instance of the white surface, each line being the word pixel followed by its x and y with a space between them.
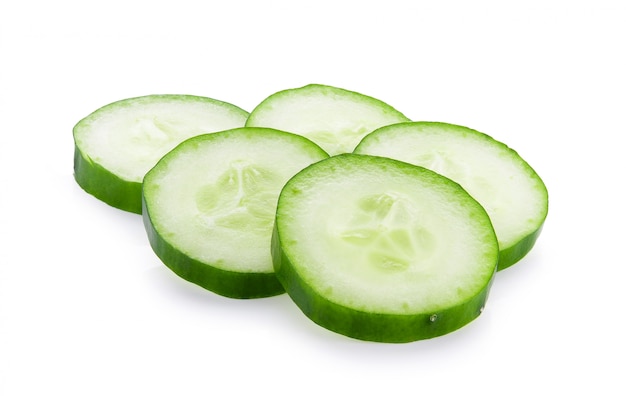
pixel 86 308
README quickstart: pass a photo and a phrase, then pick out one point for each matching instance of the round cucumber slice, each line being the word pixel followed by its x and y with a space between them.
pixel 514 196
pixel 209 206
pixel 382 250
pixel 117 144
pixel 334 118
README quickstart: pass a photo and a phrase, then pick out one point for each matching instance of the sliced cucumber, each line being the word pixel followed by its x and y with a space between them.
pixel 381 250
pixel 209 206
pixel 510 190
pixel 334 118
pixel 117 144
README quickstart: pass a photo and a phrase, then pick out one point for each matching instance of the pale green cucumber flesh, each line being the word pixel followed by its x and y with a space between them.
pixel 209 206
pixel 117 144
pixel 381 250
pixel 334 118
pixel 512 193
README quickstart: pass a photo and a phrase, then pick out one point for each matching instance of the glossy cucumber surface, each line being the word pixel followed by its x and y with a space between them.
pixel 117 144
pixel 509 189
pixel 382 250
pixel 209 206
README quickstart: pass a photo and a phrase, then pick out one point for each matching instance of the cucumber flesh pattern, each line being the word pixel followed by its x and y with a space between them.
pixel 241 198
pixel 209 206
pixel 130 136
pixel 117 144
pixel 508 188
pixel 362 256
pixel 389 242
pixel 382 228
pixel 334 118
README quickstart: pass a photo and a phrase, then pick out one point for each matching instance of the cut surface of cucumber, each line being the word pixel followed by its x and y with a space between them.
pixel 117 144
pixel 381 250
pixel 512 193
pixel 209 206
pixel 334 118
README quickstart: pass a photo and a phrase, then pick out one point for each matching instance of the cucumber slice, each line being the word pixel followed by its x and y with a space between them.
pixel 381 250
pixel 495 175
pixel 334 118
pixel 117 144
pixel 209 206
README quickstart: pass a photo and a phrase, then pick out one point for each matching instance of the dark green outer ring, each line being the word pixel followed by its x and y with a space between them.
pixel 325 89
pixel 243 285
pixel 109 187
pixel 368 326
pixel 106 186
pixel 515 253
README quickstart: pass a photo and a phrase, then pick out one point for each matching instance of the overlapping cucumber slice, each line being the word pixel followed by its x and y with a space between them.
pixel 394 237
pixel 209 206
pixel 334 118
pixel 513 194
pixel 117 144
pixel 382 250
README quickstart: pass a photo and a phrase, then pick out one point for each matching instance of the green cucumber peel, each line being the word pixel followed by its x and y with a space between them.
pixel 512 193
pixel 334 118
pixel 117 144
pixel 209 206
pixel 379 228
pixel 381 250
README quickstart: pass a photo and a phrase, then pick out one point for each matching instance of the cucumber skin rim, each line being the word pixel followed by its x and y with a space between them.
pixel 233 284
pixel 370 100
pixel 108 187
pixel 520 249
pixel 226 283
pixel 368 326
pixel 327 88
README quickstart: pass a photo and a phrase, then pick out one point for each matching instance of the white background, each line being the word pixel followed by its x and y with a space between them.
pixel 86 308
